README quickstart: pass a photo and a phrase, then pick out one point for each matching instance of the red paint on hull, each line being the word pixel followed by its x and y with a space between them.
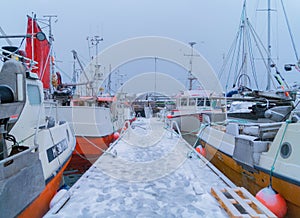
pixel 87 151
pixel 40 205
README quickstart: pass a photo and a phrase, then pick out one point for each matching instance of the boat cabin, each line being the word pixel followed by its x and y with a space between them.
pixel 198 100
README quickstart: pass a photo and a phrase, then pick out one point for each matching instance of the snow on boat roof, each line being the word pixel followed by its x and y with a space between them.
pixel 199 93
pixel 154 174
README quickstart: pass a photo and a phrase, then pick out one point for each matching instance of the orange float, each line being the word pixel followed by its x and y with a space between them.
pixel 116 135
pixel 201 150
pixel 272 200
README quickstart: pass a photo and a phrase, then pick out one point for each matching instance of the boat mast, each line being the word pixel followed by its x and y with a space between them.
pixel 95 42
pixel 244 48
pixel 191 77
pixel 32 39
pixel 269 46
pixel 51 39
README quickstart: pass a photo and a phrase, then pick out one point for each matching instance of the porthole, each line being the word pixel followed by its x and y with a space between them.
pixel 285 150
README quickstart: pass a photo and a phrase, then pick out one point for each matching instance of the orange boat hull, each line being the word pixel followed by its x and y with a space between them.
pixel 92 147
pixel 86 152
pixel 40 205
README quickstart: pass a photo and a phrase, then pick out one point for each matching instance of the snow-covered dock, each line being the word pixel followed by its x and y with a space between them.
pixel 149 172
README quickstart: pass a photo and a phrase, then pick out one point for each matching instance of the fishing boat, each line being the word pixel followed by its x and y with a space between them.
pixel 258 152
pixel 150 171
pixel 90 121
pixel 35 147
pixel 190 105
pixel 257 155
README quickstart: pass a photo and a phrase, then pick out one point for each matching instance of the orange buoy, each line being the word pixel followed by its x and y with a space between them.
pixel 169 116
pixel 273 201
pixel 201 150
pixel 116 135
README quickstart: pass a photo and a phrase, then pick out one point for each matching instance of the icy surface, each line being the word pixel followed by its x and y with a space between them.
pixel 154 174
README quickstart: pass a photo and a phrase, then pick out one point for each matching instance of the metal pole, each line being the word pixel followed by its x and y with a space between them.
pixel 51 49
pixel 269 46
pixel 32 41
pixel 191 78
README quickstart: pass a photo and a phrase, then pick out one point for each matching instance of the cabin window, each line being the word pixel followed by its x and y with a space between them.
pixel 192 101
pixel 200 102
pixel 183 102
pixel 285 150
pixel 207 102
pixel 34 95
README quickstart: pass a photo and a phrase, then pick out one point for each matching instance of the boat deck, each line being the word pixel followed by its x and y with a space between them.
pixel 153 173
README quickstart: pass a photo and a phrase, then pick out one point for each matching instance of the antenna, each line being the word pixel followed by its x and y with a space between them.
pixel 191 77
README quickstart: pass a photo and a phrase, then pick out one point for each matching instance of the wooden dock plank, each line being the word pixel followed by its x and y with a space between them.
pixel 262 207
pixel 238 202
pixel 243 203
pixel 226 204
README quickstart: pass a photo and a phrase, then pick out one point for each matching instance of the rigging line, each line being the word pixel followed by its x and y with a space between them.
pixel 290 32
pixel 99 148
pixel 240 74
pixel 84 58
pixel 287 122
pixel 66 74
pixel 21 43
pixel 221 71
pixel 45 64
pixel 228 56
pixel 239 46
pixel 260 44
pixel 252 64
pixel 233 55
pixel 85 158
pixel 253 70
pixel 234 45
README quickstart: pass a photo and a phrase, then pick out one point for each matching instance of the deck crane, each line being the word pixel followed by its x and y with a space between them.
pixel 88 82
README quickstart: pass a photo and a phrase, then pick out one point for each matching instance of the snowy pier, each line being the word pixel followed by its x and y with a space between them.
pixel 149 172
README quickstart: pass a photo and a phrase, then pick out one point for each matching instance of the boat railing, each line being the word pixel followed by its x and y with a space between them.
pixel 162 115
pixel 175 124
pixel 10 55
pixel 51 105
pixel 37 127
pixel 8 160
pixel 263 131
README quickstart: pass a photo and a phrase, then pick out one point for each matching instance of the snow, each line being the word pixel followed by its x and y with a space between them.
pixel 164 179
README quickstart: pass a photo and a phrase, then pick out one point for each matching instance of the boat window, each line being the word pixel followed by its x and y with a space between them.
pixel 286 150
pixel 192 101
pixel 33 94
pixel 207 102
pixel 200 102
pixel 183 102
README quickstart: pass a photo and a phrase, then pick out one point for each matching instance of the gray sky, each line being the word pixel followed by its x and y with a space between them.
pixel 211 23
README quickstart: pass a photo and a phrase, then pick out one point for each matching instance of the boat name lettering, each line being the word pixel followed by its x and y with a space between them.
pixel 56 150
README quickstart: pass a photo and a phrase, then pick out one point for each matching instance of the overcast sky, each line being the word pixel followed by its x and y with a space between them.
pixel 211 23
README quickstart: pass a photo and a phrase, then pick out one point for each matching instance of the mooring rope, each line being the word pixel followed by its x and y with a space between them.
pixel 277 153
